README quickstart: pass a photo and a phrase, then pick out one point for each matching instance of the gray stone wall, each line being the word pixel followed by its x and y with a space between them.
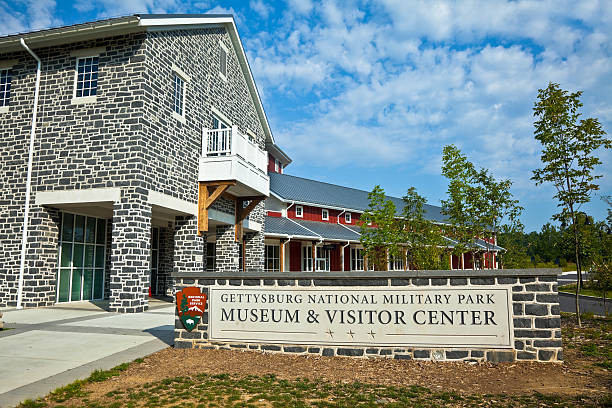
pixel 535 317
pixel 126 139
pixel 226 250
pixel 77 147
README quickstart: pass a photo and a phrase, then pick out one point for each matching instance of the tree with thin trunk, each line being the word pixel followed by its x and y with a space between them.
pixel 423 238
pixel 381 233
pixel 478 205
pixel 568 147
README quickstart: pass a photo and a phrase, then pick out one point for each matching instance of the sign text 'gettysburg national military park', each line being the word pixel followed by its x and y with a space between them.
pixel 418 317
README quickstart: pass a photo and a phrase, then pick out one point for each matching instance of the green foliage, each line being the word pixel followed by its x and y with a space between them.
pixel 386 236
pixel 568 143
pixel 478 205
pixel 568 146
pixel 424 241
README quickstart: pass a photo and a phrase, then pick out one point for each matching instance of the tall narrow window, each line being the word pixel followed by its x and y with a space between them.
pixel 86 77
pixel 307 258
pixel 272 260
pixel 324 214
pixel 5 87
pixel 299 211
pixel 178 96
pixel 154 260
pixel 222 61
pixel 356 259
pixel 210 256
pixel 347 217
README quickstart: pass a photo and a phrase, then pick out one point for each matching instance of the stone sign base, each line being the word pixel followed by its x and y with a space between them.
pixel 532 314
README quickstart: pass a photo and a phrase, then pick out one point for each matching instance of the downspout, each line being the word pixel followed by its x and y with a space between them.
pixel 284 244
pixel 26 215
pixel 342 252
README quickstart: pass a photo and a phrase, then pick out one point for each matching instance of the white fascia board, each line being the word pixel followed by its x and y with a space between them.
pixel 229 219
pixel 89 195
pixel 172 203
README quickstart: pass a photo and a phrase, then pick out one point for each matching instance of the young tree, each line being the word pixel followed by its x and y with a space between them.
pixel 478 204
pixel 461 197
pixel 386 236
pixel 426 246
pixel 568 146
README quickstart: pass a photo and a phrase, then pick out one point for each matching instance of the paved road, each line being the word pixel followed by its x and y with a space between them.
pixel 50 347
pixel 570 277
pixel 587 304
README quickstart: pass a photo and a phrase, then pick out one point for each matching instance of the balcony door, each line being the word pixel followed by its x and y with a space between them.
pixel 219 138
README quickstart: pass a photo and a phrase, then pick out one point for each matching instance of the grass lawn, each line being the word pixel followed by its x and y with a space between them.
pixel 231 378
pixel 583 290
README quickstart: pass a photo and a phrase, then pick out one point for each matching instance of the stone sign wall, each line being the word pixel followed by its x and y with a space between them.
pixel 484 315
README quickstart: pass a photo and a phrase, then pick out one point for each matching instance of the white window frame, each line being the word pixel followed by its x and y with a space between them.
pixel 357 261
pixel 78 100
pixel 306 258
pixel 7 65
pixel 299 211
pixel 347 217
pixel 179 73
pixel 275 257
pixel 226 50
pixel 324 214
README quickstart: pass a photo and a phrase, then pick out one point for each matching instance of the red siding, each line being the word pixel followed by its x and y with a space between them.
pixel 334 258
pixel 271 167
pixel 275 214
pixel 311 213
pixel 295 261
pixel 347 258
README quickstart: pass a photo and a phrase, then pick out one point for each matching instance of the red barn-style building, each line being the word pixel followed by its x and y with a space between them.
pixel 314 226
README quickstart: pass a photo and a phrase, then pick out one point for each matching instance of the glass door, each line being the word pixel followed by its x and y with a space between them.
pixel 81 258
pixel 154 259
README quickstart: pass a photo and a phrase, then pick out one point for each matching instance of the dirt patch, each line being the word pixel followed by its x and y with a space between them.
pixel 583 379
pixel 485 378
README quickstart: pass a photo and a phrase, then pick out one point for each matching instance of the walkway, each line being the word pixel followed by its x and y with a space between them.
pixel 47 348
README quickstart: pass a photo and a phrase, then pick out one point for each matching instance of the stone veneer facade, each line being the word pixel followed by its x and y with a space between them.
pixel 127 139
pixel 535 312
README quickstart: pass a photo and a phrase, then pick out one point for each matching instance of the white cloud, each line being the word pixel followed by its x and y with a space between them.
pixel 260 8
pixel 393 88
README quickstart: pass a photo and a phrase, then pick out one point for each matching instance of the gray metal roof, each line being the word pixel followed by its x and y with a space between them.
pixel 292 188
pixel 308 229
pixel 285 227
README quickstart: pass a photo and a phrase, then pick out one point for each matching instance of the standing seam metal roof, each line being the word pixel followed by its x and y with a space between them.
pixel 292 188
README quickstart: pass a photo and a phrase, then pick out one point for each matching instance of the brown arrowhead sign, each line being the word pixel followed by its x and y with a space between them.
pixel 191 303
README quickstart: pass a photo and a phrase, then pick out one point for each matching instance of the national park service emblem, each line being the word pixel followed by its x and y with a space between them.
pixel 191 303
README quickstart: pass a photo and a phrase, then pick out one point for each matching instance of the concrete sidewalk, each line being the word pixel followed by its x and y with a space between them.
pixel 47 348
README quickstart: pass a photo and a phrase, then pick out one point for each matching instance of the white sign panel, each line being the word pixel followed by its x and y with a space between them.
pixel 430 317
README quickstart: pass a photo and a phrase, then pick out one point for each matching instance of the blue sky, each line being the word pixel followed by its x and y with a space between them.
pixel 360 93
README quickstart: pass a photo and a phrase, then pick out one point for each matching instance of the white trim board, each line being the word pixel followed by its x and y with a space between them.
pixel 88 195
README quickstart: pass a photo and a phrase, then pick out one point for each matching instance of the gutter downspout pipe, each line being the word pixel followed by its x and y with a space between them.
pixel 26 216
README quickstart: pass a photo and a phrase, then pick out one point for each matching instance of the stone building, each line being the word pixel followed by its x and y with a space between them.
pixel 111 130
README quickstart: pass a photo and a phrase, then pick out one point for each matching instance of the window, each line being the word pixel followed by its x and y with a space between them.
pixel 153 284
pixel 277 166
pixel 211 249
pixel 81 258
pixel 323 258
pixel 299 211
pixel 307 258
pixel 5 87
pixel 396 263
pixel 222 61
pixel 356 259
pixel 347 217
pixel 272 260
pixel 324 214
pixel 86 83
pixel 178 96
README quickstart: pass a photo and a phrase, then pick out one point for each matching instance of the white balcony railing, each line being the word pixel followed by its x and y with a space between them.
pixel 229 141
pixel 227 154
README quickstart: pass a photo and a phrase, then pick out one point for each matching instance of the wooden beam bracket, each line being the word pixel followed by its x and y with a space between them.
pixel 242 212
pixel 206 199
